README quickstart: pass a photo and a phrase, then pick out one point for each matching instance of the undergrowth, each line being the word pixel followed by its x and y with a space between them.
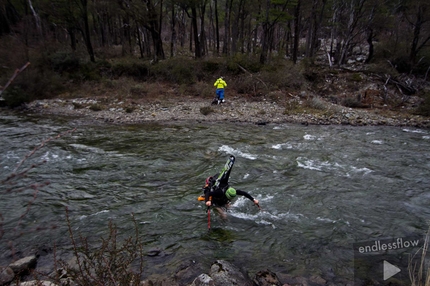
pixel 113 261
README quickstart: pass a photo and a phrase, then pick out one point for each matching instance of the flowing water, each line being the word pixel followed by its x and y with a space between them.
pixel 321 189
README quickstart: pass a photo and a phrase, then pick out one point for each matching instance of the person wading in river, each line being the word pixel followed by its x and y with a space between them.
pixel 218 192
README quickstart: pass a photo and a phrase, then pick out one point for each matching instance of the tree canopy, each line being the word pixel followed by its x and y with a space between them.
pixel 267 29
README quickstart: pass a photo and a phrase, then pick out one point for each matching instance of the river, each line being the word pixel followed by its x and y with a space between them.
pixel 321 189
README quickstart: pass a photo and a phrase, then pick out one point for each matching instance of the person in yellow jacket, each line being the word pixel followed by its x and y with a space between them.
pixel 220 84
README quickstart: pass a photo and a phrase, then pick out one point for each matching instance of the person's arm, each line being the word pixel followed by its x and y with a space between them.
pixel 245 194
pixel 208 194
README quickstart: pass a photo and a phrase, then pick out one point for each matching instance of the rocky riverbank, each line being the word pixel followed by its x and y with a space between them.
pixel 236 109
pixel 220 273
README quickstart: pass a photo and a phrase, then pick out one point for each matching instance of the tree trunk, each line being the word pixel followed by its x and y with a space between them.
pixel 417 31
pixel 202 40
pixel 226 46
pixel 296 32
pixel 198 50
pixel 72 35
pixel 370 42
pixel 265 40
pixel 173 32
pixel 86 31
pixel 139 39
pixel 217 26
pixel 153 25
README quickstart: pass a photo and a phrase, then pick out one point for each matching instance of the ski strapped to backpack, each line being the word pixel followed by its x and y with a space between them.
pixel 227 167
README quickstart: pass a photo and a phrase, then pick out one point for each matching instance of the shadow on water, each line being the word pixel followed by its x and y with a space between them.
pixel 220 235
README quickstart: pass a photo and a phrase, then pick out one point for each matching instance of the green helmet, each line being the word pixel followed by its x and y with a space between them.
pixel 230 193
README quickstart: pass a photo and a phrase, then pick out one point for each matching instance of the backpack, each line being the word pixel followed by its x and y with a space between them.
pixel 210 182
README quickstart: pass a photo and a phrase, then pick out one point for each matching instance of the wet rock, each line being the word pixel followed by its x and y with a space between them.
pixel 37 283
pixel 24 265
pixel 317 280
pixel 187 272
pixel 154 252
pixel 226 274
pixel 266 278
pixel 203 280
pixel 6 275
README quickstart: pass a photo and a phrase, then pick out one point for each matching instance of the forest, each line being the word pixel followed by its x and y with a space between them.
pixel 69 42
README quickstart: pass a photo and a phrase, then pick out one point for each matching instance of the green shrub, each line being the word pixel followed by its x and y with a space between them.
pixel 15 96
pixel 351 102
pixel 96 107
pixel 293 106
pixel 251 64
pixel 355 77
pixel 205 110
pixel 130 67
pixel 62 62
pixel 402 64
pixel 382 67
pixel 138 91
pixel 108 83
pixel 211 66
pixel 424 108
pixel 119 69
pixel 204 89
pixel 177 70
pixel 138 70
pixel 246 85
pixel 315 103
pixel 88 72
pixel 77 105
pixel 129 109
pixel 285 76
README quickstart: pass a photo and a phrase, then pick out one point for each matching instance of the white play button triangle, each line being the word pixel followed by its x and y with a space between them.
pixel 390 270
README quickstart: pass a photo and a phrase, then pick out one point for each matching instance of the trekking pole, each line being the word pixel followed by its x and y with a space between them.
pixel 209 218
pixel 258 205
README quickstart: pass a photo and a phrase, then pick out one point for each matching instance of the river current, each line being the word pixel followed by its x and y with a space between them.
pixel 321 189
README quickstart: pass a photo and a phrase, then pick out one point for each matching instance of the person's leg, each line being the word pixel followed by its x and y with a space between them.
pixel 218 94
pixel 221 212
pixel 221 94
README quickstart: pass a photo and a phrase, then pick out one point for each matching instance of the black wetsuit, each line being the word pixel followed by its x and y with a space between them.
pixel 219 199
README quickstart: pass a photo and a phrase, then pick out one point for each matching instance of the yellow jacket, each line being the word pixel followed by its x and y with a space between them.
pixel 220 83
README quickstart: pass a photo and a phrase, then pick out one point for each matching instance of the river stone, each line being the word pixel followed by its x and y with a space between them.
pixel 266 278
pixel 37 283
pixel 226 274
pixel 154 252
pixel 203 280
pixel 187 272
pixel 6 275
pixel 24 264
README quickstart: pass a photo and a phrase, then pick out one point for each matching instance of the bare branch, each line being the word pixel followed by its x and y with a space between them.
pixel 251 75
pixel 15 74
